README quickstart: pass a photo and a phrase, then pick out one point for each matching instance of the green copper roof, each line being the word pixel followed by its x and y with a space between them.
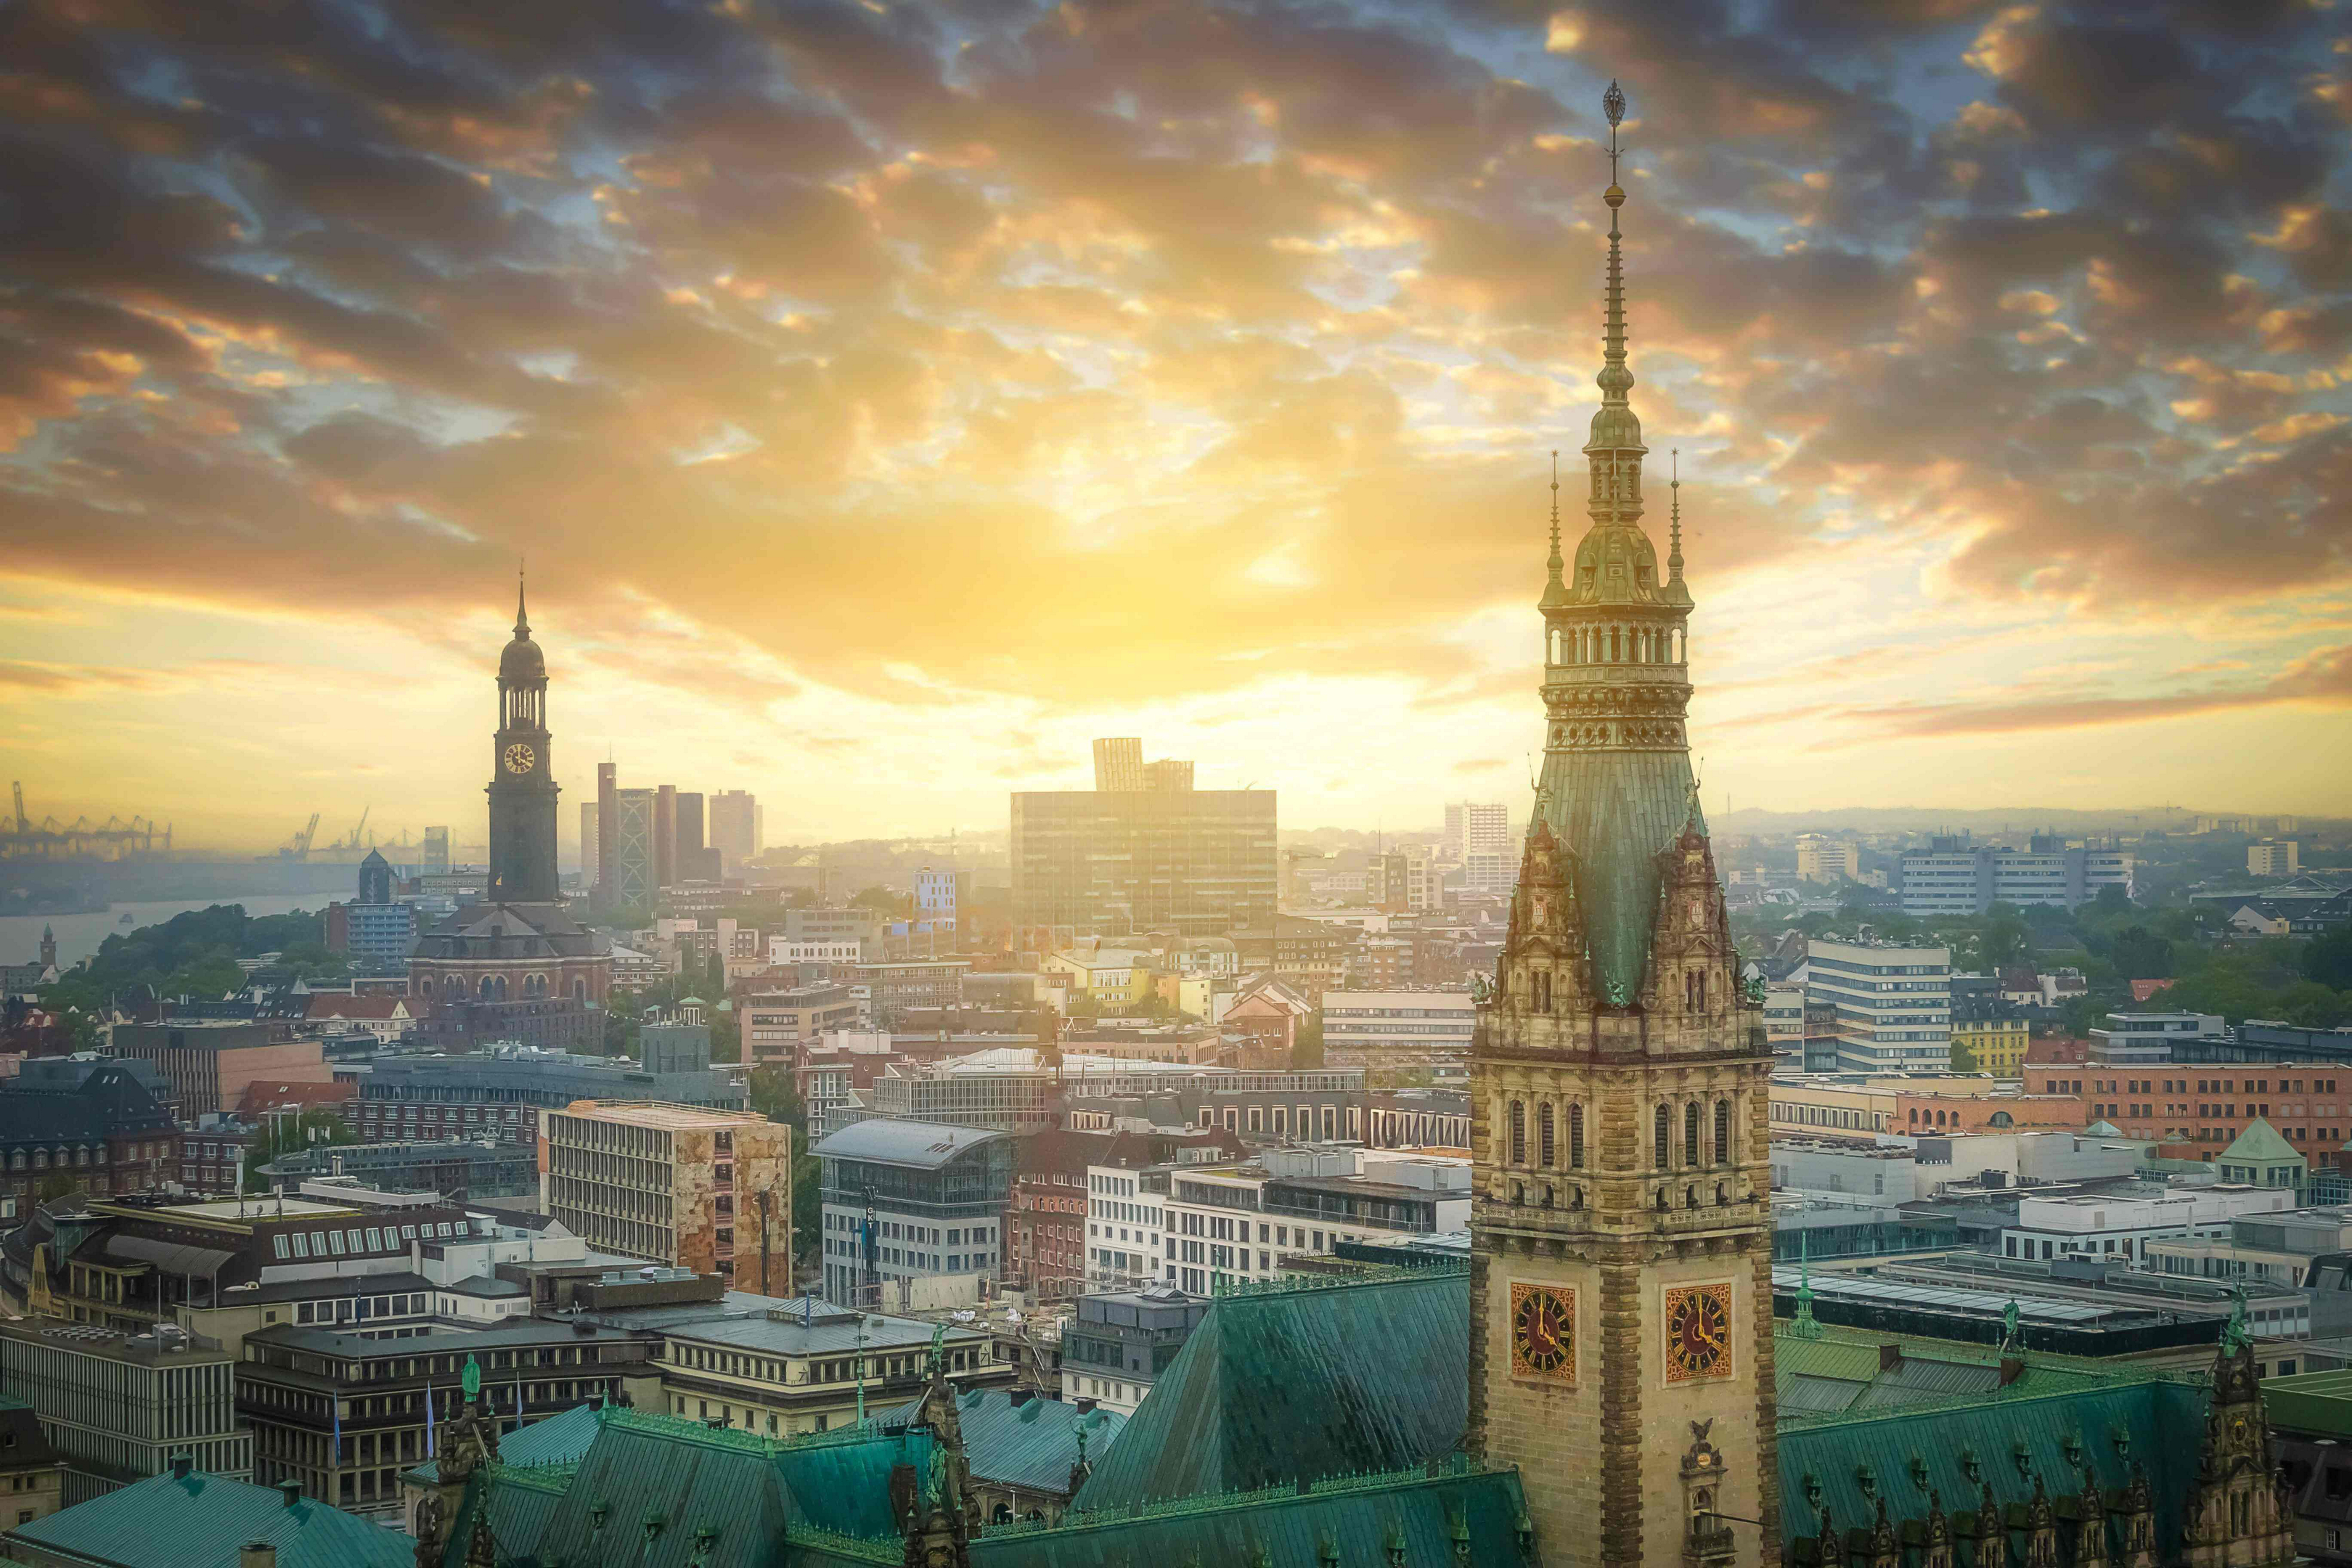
pixel 1304 1381
pixel 1459 1515
pixel 1616 811
pixel 1908 1458
pixel 716 1499
pixel 1030 1446
pixel 2260 1145
pixel 200 1520
pixel 559 1439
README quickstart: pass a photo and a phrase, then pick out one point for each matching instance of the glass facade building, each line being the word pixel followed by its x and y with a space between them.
pixel 1199 862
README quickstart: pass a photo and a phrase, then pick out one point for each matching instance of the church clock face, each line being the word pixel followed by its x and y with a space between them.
pixel 1697 1332
pixel 1543 1333
pixel 520 757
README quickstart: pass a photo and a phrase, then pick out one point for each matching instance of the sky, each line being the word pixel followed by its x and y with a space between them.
pixel 886 399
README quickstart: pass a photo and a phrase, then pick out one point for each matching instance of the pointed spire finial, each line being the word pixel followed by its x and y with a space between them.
pixel 523 619
pixel 1674 532
pixel 1615 380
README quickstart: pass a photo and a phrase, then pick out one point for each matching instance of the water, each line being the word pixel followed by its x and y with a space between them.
pixel 79 935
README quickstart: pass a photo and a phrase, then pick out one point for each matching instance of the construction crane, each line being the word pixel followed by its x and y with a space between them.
pixel 353 841
pixel 299 847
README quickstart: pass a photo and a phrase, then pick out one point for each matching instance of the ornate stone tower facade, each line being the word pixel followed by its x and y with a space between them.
pixel 1621 1300
pixel 522 776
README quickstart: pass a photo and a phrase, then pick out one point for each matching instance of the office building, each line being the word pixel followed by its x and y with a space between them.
pixel 1117 1343
pixel 433 860
pixel 503 1092
pixel 1784 1013
pixel 781 1369
pixel 207 1062
pixel 663 869
pixel 1168 856
pixel 342 1415
pixel 911 1202
pixel 1119 764
pixel 32 1475
pixel 1893 1005
pixel 632 878
pixel 1861 1105
pixel 892 988
pixel 2196 1110
pixel 776 1025
pixel 375 931
pixel 1950 877
pixel 591 868
pixel 935 898
pixel 1397 1031
pixel 117 1406
pixel 733 831
pixel 461 1170
pixel 2131 1040
pixel 2274 858
pixel 2120 1226
pixel 678 1185
pixel 1233 1224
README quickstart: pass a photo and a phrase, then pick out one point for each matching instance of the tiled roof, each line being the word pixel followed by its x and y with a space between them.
pixel 1030 1446
pixel 1301 1381
pixel 200 1520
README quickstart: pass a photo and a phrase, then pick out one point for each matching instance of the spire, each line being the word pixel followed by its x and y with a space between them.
pixel 522 618
pixel 1674 525
pixel 1554 595
pixel 1614 379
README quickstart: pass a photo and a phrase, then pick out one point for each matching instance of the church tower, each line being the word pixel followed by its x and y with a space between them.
pixel 1621 1299
pixel 522 776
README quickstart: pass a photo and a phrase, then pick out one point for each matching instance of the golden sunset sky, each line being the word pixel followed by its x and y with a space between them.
pixel 889 398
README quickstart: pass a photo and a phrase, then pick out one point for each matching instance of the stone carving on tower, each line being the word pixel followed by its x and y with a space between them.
pixel 1622 1351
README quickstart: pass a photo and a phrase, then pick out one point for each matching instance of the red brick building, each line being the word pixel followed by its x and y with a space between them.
pixel 2205 1107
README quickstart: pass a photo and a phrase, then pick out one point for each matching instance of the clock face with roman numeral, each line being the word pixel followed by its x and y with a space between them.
pixel 520 757
pixel 1697 1332
pixel 1543 1333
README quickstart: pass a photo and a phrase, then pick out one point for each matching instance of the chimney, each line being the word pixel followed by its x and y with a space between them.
pixel 1890 1356
pixel 256 1554
pixel 291 1491
pixel 181 1464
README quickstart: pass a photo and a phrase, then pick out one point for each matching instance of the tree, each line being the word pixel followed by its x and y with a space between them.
pixel 2327 958
pixel 1306 1044
pixel 1964 1059
pixel 2001 940
pixel 285 1135
pixel 59 1184
pixel 883 900
pixel 2138 954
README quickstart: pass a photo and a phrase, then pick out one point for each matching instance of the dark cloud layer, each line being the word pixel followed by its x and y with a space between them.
pixel 1008 319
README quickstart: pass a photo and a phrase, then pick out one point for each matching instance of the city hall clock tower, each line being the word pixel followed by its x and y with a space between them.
pixel 1621 1278
pixel 522 776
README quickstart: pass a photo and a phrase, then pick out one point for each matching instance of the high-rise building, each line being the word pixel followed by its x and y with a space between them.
pixel 588 843
pixel 1111 861
pixel 1950 876
pixel 433 859
pixel 608 824
pixel 1825 859
pixel 374 929
pixel 1894 1005
pixel 1119 764
pixel 665 845
pixel 1622 1276
pixel 733 828
pixel 630 879
pixel 690 821
pixel 2274 858
pixel 1476 827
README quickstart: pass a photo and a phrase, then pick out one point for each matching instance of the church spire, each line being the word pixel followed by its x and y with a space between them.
pixel 523 617
pixel 1554 595
pixel 1615 380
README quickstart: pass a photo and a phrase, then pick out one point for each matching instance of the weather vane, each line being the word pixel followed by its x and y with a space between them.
pixel 1612 104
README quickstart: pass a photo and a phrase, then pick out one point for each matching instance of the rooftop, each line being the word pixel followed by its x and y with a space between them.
pixel 662 1115
pixel 194 1519
pixel 924 1145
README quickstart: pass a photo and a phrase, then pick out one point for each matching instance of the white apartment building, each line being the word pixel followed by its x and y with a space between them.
pixel 2122 1228
pixel 1397 1028
pixel 1474 827
pixel 1953 879
pixel 2274 858
pixel 1234 1222
pixel 1894 1005
pixel 1824 859
pixel 1124 1225
pixel 1490 871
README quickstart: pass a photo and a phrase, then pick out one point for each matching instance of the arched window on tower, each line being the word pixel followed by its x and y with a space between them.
pixel 1690 1133
pixel 1546 1150
pixel 487 988
pixel 1576 1138
pixel 1723 1133
pixel 1665 1137
pixel 1518 1133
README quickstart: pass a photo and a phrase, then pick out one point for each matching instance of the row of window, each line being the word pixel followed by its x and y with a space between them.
pixel 373 1238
